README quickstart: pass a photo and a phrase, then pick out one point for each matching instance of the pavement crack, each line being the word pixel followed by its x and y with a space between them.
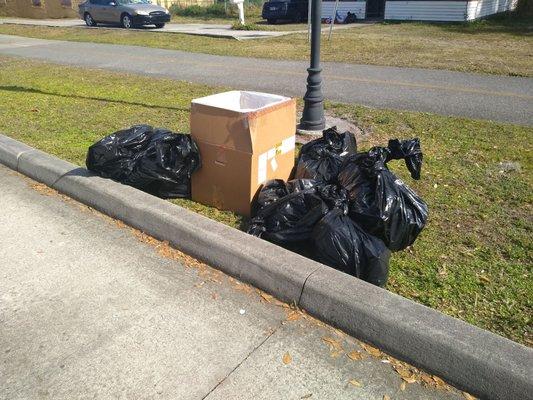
pixel 242 361
pixel 303 286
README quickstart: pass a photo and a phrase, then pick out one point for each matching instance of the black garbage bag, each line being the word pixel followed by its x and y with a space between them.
pixel 334 196
pixel 379 201
pixel 157 161
pixel 410 151
pixel 166 165
pixel 342 244
pixel 115 155
pixel 287 212
pixel 275 189
pixel 321 159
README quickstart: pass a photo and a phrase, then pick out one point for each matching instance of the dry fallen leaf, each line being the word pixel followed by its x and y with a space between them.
pixel 403 386
pixel 355 355
pixel 294 316
pixel 43 189
pixel 355 383
pixel 287 359
pixel 339 333
pixel 385 397
pixel 306 396
pixel 267 297
pixel 409 379
pixel 403 372
pixel 427 379
pixel 199 285
pixel 335 354
pixel 371 350
pixel 438 381
pixel 244 288
pixel 333 344
pixel 214 296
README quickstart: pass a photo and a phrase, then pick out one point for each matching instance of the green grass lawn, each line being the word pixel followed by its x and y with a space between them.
pixel 219 13
pixel 498 46
pixel 472 261
pixel 253 18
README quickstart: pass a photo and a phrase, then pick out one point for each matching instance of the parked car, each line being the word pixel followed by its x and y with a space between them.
pixel 292 10
pixel 128 13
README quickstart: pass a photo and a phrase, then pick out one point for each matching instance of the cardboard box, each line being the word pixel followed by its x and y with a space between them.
pixel 245 139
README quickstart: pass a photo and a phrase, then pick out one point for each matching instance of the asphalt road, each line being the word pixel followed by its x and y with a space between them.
pixel 87 311
pixel 498 98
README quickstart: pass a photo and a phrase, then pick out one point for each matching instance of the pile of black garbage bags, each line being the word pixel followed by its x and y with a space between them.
pixel 157 161
pixel 347 207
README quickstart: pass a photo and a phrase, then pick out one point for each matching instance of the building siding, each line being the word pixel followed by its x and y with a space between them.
pixel 356 7
pixel 426 10
pixel 46 9
pixel 482 8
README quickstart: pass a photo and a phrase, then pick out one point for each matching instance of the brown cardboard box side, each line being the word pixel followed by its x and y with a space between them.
pixel 230 145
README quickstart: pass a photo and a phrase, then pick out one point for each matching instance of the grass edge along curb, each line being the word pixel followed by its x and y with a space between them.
pixel 473 359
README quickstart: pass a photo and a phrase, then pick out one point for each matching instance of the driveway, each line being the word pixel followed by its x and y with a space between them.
pixel 498 98
pixel 90 308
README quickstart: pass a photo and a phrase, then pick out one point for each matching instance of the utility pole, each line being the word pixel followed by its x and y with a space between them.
pixel 313 114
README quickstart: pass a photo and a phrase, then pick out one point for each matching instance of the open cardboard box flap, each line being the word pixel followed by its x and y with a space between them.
pixel 237 120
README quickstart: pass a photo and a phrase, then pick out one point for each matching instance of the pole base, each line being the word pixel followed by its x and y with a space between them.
pixel 311 127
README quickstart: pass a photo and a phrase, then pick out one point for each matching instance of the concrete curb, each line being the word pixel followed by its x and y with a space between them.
pixel 475 360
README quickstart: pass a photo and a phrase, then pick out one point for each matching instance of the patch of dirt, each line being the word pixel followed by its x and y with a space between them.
pixel 342 123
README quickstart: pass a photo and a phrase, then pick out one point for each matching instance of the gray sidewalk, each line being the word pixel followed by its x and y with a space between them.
pixel 205 29
pixel 499 98
pixel 213 30
pixel 89 309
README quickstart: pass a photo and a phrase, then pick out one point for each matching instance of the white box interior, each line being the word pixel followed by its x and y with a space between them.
pixel 241 101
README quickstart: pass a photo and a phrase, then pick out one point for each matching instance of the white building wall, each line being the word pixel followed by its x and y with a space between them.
pixel 356 7
pixel 427 10
pixel 482 8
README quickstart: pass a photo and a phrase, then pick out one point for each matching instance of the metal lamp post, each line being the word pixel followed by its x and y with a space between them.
pixel 313 114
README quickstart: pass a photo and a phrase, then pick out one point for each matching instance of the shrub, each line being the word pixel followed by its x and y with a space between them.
pixel 216 10
pixel 525 8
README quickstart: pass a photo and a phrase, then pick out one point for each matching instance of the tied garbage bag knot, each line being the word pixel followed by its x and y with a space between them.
pixel 410 151
pixel 379 201
pixel 321 159
pixel 334 196
pixel 157 161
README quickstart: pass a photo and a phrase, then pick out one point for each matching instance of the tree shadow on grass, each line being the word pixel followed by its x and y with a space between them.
pixel 22 89
pixel 508 23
